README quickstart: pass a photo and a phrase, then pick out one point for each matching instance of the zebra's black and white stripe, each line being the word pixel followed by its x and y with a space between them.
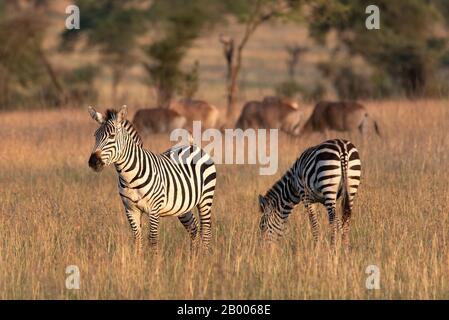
pixel 169 184
pixel 321 174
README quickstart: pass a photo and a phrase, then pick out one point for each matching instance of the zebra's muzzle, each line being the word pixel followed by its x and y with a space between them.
pixel 95 162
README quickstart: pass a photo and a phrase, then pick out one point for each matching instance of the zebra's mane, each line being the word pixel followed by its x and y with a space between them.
pixel 111 114
pixel 133 132
pixel 274 193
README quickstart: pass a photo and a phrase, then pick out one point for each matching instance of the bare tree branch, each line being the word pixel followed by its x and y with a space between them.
pixel 258 16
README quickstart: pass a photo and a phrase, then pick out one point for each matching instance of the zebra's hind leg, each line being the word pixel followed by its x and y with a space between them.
pixel 330 206
pixel 204 210
pixel 347 211
pixel 313 219
pixel 134 218
pixel 339 223
pixel 190 223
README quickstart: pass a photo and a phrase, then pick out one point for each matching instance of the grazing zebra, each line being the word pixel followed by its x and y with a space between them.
pixel 321 174
pixel 161 185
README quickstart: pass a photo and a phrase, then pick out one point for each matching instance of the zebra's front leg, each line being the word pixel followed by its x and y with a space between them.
pixel 154 231
pixel 190 223
pixel 204 210
pixel 134 218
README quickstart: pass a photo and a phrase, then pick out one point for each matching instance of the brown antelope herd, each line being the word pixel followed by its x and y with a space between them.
pixel 270 113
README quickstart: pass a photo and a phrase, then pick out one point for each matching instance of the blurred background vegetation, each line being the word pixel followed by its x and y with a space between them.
pixel 147 53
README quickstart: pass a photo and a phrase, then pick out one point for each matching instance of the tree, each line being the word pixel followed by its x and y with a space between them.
pixel 190 83
pixel 113 26
pixel 25 69
pixel 179 23
pixel 295 51
pixel 402 47
pixel 252 13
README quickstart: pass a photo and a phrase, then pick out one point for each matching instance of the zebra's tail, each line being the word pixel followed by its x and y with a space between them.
pixel 345 182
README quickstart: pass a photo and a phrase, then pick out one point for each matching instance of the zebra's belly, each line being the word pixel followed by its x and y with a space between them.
pixel 178 204
pixel 175 213
pixel 162 206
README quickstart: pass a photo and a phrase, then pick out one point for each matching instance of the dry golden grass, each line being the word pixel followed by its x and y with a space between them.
pixel 55 212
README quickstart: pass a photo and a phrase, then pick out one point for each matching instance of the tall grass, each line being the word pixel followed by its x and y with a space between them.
pixel 55 212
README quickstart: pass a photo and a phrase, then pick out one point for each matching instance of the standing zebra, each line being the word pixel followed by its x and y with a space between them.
pixel 320 175
pixel 168 184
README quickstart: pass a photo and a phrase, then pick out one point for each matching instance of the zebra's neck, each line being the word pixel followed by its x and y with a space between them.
pixel 132 132
pixel 284 194
pixel 134 161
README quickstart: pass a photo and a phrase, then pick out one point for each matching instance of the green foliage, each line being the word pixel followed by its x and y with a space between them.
pixel 289 89
pixel 22 70
pixel 443 8
pixel 80 84
pixel 351 85
pixel 445 59
pixel 383 86
pixel 114 27
pixel 404 47
pixel 181 22
pixel 190 84
pixel 409 55
pixel 243 9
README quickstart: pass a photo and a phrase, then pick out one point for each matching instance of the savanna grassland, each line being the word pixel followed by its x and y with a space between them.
pixel 55 212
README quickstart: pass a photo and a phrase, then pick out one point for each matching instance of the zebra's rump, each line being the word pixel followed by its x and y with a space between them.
pixel 189 178
pixel 323 168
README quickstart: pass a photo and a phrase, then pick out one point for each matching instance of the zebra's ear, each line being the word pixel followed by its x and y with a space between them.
pixel 97 116
pixel 121 115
